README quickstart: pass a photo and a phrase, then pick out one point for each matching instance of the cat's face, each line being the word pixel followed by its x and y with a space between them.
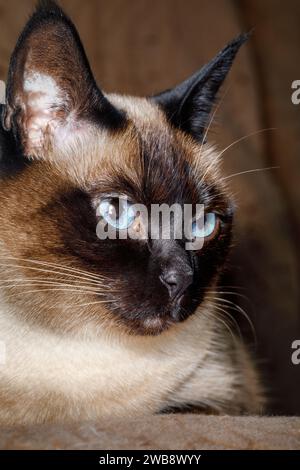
pixel 89 153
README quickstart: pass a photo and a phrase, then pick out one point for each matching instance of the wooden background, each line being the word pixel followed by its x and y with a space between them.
pixel 143 46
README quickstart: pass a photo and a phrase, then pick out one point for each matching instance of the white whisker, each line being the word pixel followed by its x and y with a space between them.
pixel 219 308
pixel 238 308
pixel 49 271
pixel 255 170
pixel 48 281
pixel 252 134
pixel 223 322
pixel 95 303
pixel 212 119
pixel 52 290
pixel 237 294
pixel 83 274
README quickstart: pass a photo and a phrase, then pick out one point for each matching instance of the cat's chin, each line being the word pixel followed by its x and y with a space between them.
pixel 156 323
pixel 152 326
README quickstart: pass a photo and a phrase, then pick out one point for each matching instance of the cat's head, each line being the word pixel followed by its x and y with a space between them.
pixel 86 152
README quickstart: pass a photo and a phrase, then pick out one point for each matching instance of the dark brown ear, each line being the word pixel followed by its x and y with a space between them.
pixel 51 92
pixel 188 106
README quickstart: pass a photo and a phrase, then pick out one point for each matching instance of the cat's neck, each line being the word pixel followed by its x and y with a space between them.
pixel 130 373
pixel 76 378
pixel 38 344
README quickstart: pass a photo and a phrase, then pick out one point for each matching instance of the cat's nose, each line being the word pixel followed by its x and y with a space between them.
pixel 176 281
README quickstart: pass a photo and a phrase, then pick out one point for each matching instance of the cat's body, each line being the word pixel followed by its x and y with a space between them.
pixel 93 327
pixel 198 365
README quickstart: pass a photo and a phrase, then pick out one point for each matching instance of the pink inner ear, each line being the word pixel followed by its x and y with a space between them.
pixel 45 120
pixel 42 101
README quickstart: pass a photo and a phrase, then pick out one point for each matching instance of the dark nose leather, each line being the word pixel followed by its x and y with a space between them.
pixel 176 281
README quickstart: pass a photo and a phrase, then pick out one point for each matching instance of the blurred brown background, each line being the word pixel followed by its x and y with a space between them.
pixel 143 46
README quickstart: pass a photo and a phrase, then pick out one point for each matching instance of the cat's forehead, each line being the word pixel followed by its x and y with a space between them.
pixel 147 154
pixel 141 111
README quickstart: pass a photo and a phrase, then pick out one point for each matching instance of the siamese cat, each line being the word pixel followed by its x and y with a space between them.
pixel 91 327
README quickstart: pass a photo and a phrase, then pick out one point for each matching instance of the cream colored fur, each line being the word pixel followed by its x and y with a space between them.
pixel 51 378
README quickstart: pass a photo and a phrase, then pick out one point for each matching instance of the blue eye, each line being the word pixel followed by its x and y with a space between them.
pixel 117 212
pixel 205 228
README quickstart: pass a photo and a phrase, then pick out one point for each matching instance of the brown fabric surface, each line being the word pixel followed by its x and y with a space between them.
pixel 162 433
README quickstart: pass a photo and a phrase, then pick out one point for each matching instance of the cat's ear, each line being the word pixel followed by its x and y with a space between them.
pixel 188 105
pixel 51 92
